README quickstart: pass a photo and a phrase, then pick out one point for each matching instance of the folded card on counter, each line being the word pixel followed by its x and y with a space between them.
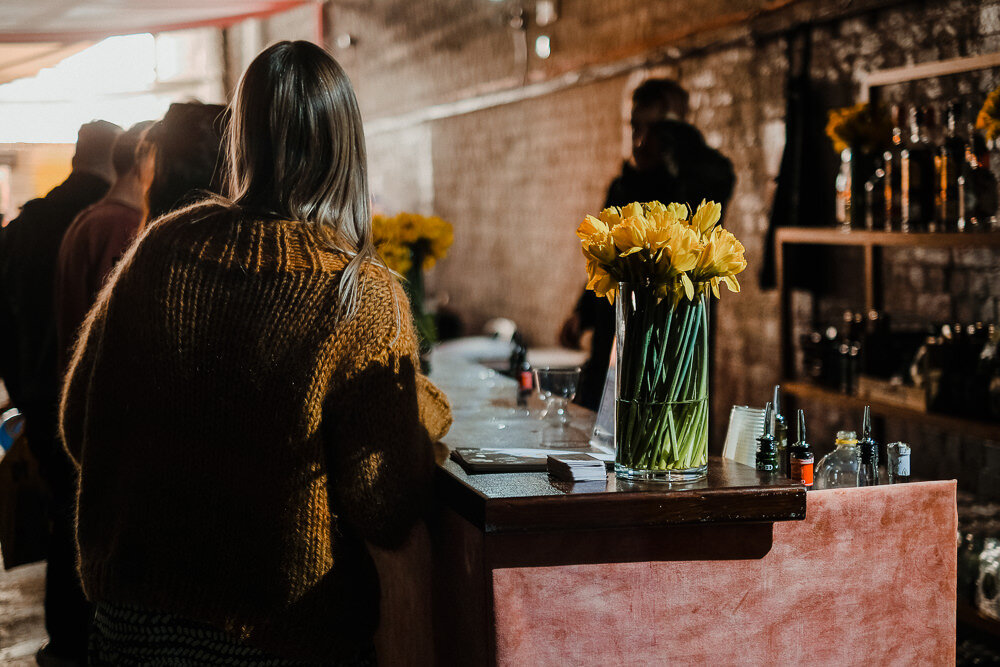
pixel 577 467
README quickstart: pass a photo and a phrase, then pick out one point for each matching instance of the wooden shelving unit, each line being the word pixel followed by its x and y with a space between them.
pixel 974 428
pixel 833 236
pixel 871 243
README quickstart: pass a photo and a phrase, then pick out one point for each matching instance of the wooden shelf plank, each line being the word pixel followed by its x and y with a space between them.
pixel 969 427
pixel 834 236
pixel 970 616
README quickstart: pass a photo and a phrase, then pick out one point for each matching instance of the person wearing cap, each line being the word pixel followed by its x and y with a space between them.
pixel 29 246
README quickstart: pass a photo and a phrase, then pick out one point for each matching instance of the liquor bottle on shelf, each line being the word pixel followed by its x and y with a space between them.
pixel 875 198
pixel 849 357
pixel 892 165
pixel 780 430
pixel 949 166
pixel 839 468
pixel 917 160
pixel 867 453
pixel 843 184
pixel 979 198
pixel 767 448
pixel 801 456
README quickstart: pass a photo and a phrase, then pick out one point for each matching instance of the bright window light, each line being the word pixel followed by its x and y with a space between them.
pixel 114 80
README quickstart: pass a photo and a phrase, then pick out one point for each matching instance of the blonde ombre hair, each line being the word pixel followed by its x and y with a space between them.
pixel 297 152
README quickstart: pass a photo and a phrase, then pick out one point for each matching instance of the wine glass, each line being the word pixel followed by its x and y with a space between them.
pixel 557 387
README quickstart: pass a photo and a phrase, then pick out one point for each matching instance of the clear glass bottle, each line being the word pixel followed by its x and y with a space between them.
pixel 839 468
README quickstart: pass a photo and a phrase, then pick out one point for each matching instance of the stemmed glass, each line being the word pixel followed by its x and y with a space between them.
pixel 557 387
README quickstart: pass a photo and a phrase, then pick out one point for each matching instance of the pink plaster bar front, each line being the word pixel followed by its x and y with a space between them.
pixel 867 579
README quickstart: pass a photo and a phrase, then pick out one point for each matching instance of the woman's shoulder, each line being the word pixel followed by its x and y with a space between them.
pixel 383 308
pixel 191 217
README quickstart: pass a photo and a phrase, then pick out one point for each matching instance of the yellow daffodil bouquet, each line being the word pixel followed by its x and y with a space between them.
pixel 988 119
pixel 658 264
pixel 410 244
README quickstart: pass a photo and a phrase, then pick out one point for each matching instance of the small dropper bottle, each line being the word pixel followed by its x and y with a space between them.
pixel 780 431
pixel 801 456
pixel 767 449
pixel 867 453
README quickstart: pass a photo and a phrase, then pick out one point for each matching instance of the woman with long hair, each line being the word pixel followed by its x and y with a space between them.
pixel 246 405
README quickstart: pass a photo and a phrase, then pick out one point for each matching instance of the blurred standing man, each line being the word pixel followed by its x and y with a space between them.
pixel 99 236
pixel 670 163
pixel 28 362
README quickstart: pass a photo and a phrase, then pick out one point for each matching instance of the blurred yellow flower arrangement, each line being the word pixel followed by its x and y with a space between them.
pixel 410 244
pixel 860 127
pixel 407 236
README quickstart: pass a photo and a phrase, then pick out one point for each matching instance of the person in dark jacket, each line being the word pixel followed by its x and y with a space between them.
pixel 28 361
pixel 670 163
pixel 98 238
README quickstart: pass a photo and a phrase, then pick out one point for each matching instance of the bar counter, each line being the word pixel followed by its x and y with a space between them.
pixel 521 569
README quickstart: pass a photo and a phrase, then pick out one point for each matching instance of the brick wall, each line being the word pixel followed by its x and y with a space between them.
pixel 515 178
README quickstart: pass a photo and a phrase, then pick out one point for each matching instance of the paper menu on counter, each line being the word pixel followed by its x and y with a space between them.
pixel 476 461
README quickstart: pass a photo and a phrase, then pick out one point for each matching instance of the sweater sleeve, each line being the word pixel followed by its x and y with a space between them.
pixel 380 425
pixel 83 358
pixel 76 385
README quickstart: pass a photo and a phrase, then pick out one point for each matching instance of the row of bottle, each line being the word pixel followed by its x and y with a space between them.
pixel 922 185
pixel 852 463
pixel 959 368
pixel 957 365
pixel 863 344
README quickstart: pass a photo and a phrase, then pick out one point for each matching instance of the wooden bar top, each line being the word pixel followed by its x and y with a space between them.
pixel 533 501
pixel 486 416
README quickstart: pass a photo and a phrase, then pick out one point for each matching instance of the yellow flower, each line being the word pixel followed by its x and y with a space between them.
pixel 722 256
pixel 685 248
pixel 706 217
pixel 630 235
pixel 678 211
pixel 611 216
pixel 592 226
pixel 633 210
pixel 601 282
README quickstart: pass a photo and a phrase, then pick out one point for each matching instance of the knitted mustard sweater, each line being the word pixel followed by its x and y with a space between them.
pixel 238 443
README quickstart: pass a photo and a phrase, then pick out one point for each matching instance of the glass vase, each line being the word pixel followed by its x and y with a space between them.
pixel 661 406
